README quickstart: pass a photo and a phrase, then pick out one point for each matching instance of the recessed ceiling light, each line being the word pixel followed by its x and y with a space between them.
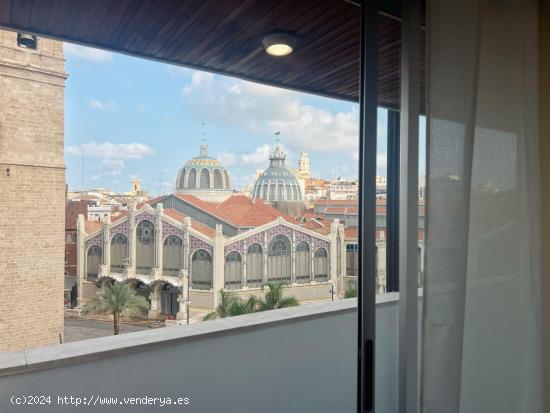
pixel 279 44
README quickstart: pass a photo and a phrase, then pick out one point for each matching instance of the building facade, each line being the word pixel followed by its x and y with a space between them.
pixel 170 257
pixel 32 80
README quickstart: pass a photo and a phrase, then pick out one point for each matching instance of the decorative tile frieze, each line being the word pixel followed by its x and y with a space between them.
pixel 145 215
pixel 169 229
pixel 236 246
pixel 97 240
pixel 122 228
pixel 279 230
pixel 199 244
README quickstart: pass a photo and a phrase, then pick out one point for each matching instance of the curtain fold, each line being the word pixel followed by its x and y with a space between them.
pixel 481 323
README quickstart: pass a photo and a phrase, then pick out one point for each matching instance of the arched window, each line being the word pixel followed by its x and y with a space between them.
pixel 145 248
pixel 93 261
pixel 169 300
pixel 279 259
pixel 172 255
pixel 303 263
pixel 233 271
pixel 192 180
pixel 181 181
pixel 280 192
pixel 218 180
pixel 272 189
pixel 254 265
pixel 351 260
pixel 119 252
pixel 264 196
pixel 321 265
pixel 205 178
pixel 288 193
pixel 201 270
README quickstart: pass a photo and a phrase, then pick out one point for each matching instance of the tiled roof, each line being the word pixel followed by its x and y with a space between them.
pixel 313 226
pixel 91 226
pixel 119 216
pixel 350 233
pixel 239 210
pixel 334 210
pixel 197 226
pixel 342 202
pixel 205 206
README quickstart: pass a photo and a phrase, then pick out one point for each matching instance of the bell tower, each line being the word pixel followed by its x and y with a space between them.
pixel 32 178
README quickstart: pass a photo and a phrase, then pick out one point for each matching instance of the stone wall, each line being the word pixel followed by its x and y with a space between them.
pixel 32 193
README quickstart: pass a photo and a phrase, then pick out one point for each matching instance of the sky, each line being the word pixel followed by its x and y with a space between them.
pixel 128 117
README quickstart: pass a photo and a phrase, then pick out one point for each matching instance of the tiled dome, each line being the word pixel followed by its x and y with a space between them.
pixel 278 183
pixel 204 177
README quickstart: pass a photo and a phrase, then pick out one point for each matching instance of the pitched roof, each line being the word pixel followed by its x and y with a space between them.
pixel 197 226
pixel 91 226
pixel 350 233
pixel 245 212
pixel 238 210
pixel 209 207
pixel 342 202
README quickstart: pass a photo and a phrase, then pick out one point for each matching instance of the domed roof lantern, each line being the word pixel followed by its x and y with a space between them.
pixel 203 148
pixel 278 157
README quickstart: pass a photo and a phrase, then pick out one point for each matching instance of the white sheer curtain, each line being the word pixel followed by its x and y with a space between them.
pixel 481 349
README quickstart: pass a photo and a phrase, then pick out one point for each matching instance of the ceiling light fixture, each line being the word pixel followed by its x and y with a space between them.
pixel 279 43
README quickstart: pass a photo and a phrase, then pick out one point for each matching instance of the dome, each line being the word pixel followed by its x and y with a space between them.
pixel 278 183
pixel 204 177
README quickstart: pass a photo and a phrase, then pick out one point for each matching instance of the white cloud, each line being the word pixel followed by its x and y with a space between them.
pixel 109 105
pixel 382 160
pixel 263 109
pixel 111 157
pixel 259 157
pixel 227 158
pixel 87 53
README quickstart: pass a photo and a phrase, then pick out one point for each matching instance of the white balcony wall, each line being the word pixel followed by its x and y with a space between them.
pixel 300 359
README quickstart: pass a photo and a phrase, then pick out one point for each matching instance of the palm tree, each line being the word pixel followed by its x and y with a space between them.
pixel 231 305
pixel 274 299
pixel 117 299
pixel 351 290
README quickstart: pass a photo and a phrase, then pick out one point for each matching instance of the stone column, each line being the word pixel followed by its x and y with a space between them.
pixel 333 253
pixel 182 301
pixel 154 297
pixel 312 262
pixel 264 262
pixel 293 258
pixel 80 254
pixel 130 269
pixel 245 254
pixel 186 230
pixel 157 271
pixel 106 253
pixel 218 264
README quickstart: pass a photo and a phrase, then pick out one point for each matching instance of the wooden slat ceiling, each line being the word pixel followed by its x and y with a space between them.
pixel 225 36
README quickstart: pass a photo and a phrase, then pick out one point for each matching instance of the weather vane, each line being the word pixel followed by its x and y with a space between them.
pixel 277 139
